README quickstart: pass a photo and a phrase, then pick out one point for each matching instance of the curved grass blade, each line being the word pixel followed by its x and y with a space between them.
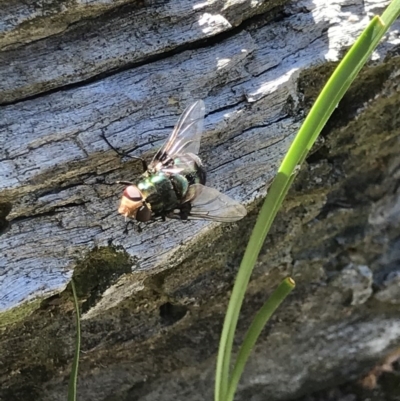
pixel 254 331
pixel 324 106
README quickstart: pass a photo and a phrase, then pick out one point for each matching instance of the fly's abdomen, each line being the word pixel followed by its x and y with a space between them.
pixel 194 171
pixel 197 176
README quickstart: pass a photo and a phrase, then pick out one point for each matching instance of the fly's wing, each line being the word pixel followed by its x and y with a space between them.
pixel 185 138
pixel 209 204
pixel 181 163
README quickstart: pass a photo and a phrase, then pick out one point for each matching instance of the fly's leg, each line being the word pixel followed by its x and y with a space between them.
pixel 158 217
pixel 137 226
pixel 126 231
pixel 174 216
pixel 126 153
pixel 126 228
pixel 184 211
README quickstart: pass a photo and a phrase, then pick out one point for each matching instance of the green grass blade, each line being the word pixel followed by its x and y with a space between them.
pixel 324 106
pixel 261 228
pixel 391 13
pixel 75 364
pixel 254 331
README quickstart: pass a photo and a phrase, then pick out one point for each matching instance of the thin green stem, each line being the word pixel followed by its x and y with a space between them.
pixel 75 364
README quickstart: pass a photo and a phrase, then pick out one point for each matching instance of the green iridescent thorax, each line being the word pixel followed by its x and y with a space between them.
pixel 163 193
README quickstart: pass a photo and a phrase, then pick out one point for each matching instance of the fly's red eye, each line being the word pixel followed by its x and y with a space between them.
pixel 143 214
pixel 132 192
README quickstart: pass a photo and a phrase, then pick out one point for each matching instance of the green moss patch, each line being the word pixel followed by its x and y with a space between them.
pixel 98 271
pixel 16 314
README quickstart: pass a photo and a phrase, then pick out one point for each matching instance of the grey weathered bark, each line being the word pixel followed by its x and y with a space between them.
pixel 153 303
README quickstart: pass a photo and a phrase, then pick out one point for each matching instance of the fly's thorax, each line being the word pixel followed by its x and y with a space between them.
pixel 159 193
pixel 180 184
pixel 158 178
pixel 146 186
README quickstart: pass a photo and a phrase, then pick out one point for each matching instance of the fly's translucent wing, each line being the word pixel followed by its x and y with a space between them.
pixel 210 204
pixel 186 136
pixel 181 163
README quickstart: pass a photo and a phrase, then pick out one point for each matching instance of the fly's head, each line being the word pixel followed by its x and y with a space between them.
pixel 133 205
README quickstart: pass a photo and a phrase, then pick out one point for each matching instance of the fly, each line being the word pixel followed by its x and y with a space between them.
pixel 173 184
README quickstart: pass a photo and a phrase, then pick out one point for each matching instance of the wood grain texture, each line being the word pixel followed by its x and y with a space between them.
pixel 56 170
pixel 89 44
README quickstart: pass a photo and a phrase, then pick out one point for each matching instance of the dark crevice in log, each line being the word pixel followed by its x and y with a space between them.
pixel 5 209
pixel 171 314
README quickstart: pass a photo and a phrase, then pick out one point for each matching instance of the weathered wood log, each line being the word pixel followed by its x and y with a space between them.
pixel 153 302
